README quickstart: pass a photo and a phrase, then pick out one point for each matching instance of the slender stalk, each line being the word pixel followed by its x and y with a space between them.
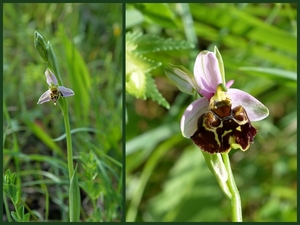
pixel 47 53
pixel 64 109
pixel 9 219
pixel 236 208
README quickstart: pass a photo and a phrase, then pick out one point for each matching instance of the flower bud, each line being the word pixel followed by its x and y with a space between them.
pixel 183 78
pixel 40 45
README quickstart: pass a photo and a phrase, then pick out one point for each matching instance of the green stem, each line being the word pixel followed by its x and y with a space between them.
pixel 47 53
pixel 235 196
pixel 16 209
pixel 64 108
pixel 9 219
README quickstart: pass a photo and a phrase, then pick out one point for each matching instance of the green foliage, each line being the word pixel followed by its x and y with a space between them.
pixel 74 197
pixel 20 216
pixel 9 187
pixel 166 175
pixel 139 81
pixel 87 42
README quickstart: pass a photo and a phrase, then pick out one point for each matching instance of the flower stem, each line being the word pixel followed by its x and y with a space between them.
pixel 235 196
pixel 69 138
pixel 47 53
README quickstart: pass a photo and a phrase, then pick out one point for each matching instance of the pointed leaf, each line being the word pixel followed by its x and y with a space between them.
pixel 147 43
pixel 15 216
pixel 136 68
pixel 153 93
pixel 136 84
pixel 74 198
pixel 158 13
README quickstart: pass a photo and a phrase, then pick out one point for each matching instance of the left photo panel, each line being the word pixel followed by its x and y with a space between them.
pixel 62 112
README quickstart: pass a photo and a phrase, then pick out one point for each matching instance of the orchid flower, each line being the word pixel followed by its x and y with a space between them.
pixel 221 118
pixel 54 91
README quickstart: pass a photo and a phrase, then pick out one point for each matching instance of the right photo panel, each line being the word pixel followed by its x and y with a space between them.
pixel 211 112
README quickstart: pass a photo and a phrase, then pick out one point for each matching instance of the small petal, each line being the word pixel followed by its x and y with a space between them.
pixel 50 77
pixel 191 115
pixel 66 92
pixel 183 78
pixel 229 83
pixel 45 97
pixel 207 73
pixel 255 109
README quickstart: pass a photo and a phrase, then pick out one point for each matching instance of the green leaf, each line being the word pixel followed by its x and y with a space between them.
pixel 133 17
pixel 136 84
pixel 135 62
pixel 26 217
pixel 74 198
pixel 21 211
pixel 159 13
pixel 153 93
pixel 149 43
pixel 138 78
pixel 12 192
pixel 136 68
pixel 42 135
pixel 15 216
pixel 97 215
pixel 279 73
pixel 79 75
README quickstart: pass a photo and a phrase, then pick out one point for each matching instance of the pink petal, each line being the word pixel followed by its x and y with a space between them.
pixel 44 98
pixel 66 92
pixel 50 77
pixel 255 109
pixel 229 83
pixel 207 73
pixel 191 115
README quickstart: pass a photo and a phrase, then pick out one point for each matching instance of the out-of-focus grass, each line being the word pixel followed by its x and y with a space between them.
pixel 87 41
pixel 166 175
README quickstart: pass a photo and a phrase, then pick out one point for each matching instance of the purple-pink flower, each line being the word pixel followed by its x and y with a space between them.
pixel 54 91
pixel 220 119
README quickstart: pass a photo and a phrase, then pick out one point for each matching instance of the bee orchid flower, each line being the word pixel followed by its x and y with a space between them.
pixel 221 118
pixel 54 91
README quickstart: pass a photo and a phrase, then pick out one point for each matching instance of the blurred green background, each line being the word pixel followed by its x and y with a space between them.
pixel 166 175
pixel 87 40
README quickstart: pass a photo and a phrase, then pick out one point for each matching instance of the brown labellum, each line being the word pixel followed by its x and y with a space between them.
pixel 223 128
